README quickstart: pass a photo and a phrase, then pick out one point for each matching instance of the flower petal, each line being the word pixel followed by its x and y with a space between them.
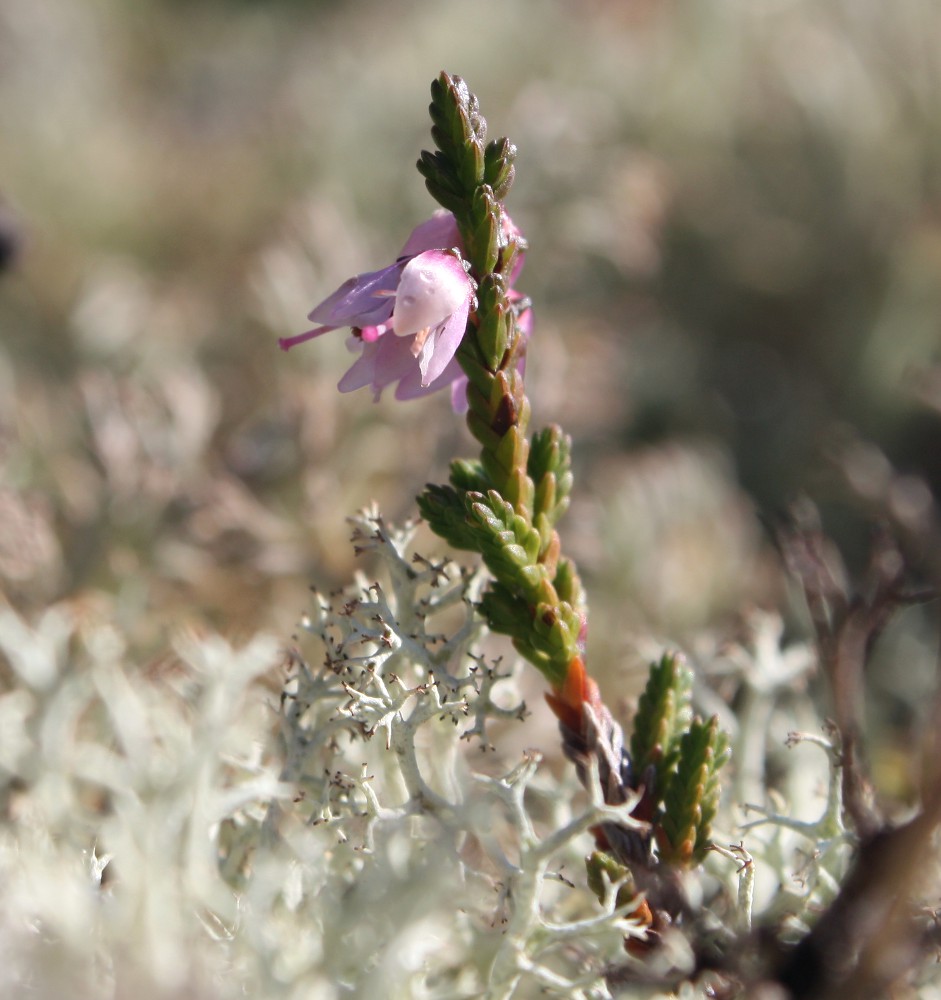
pixel 445 340
pixel 365 300
pixel 438 232
pixel 362 371
pixel 432 286
pixel 410 387
pixel 459 389
pixel 382 362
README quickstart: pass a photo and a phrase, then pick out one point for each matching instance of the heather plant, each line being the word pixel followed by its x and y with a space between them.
pixel 447 312
pixel 443 305
pixel 349 814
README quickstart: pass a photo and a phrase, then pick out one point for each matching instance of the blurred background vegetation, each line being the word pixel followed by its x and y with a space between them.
pixel 734 211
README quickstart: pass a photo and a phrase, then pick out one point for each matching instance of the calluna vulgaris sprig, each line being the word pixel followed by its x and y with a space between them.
pixel 507 508
pixel 460 268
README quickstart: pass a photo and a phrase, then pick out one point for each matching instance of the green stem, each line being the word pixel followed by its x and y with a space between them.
pixel 506 507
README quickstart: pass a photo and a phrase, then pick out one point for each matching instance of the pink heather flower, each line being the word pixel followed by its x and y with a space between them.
pixel 415 347
pixel 408 318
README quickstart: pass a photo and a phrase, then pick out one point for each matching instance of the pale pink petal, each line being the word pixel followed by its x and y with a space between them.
pixel 426 355
pixel 440 232
pixel 447 339
pixel 383 362
pixel 410 387
pixel 394 361
pixel 362 371
pixel 365 300
pixel 459 393
pixel 432 286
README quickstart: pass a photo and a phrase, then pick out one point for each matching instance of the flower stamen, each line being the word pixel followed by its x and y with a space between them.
pixel 419 342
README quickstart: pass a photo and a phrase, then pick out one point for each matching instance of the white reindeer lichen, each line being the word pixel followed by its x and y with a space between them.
pixel 166 831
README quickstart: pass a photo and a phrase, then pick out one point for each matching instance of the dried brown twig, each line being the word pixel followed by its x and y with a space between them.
pixel 873 933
